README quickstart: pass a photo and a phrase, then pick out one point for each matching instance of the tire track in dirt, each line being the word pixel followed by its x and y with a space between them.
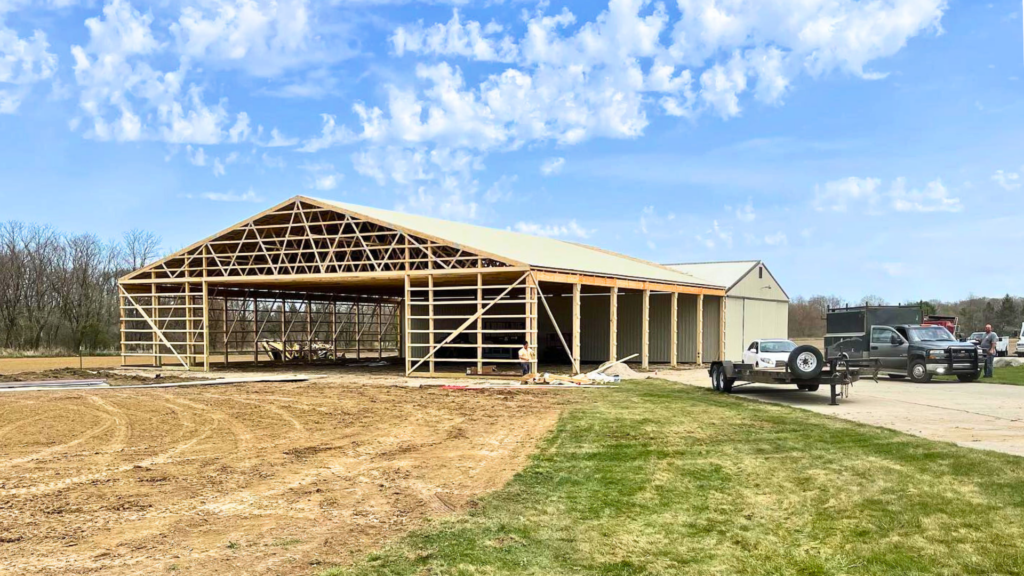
pixel 276 410
pixel 110 420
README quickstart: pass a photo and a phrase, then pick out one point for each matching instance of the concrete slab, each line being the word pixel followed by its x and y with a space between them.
pixel 975 415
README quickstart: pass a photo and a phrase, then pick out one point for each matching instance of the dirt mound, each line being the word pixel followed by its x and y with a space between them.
pixel 625 372
pixel 113 378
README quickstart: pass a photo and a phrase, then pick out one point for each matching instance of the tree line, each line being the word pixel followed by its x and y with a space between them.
pixel 58 291
pixel 807 315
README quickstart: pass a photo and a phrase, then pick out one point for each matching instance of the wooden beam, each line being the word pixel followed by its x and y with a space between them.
pixel 531 323
pixel 156 329
pixel 576 318
pixel 408 325
pixel 610 282
pixel 613 324
pixel 646 322
pixel 479 323
pixel 674 354
pixel 206 326
pixel 430 308
pixel 255 330
pixel 124 343
pixel 227 331
pixel 700 329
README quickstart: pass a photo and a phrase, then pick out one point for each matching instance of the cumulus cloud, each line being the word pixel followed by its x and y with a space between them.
pixel 230 196
pixel 552 166
pixel 1007 180
pixel 745 213
pixel 867 195
pixel 322 176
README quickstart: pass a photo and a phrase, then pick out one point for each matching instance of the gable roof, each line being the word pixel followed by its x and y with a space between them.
pixel 535 251
pixel 726 274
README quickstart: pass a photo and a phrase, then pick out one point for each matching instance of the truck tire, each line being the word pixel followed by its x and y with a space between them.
pixel 896 376
pixel 969 377
pixel 919 372
pixel 808 387
pixel 805 362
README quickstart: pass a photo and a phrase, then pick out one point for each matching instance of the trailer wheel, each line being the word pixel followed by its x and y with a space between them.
pixel 919 372
pixel 716 378
pixel 808 387
pixel 727 383
pixel 806 362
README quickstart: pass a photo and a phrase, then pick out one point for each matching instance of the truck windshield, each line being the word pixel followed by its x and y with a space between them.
pixel 777 346
pixel 930 334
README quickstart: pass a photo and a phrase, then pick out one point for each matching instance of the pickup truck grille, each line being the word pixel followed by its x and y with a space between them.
pixel 963 354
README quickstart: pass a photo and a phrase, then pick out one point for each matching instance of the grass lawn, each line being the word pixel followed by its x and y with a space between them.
pixel 658 478
pixel 1012 375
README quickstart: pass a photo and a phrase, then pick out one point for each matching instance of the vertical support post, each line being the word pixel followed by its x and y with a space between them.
pixel 674 354
pixel 646 347
pixel 613 324
pixel 721 327
pixel 407 306
pixel 530 321
pixel 190 338
pixel 123 324
pixel 700 328
pixel 479 323
pixel 334 327
pixel 576 288
pixel 224 308
pixel 430 313
pixel 359 331
pixel 380 330
pixel 309 329
pixel 284 330
pixel 206 325
pixel 155 315
pixel 255 330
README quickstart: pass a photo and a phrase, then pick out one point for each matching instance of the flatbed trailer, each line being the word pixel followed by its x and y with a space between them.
pixel 727 375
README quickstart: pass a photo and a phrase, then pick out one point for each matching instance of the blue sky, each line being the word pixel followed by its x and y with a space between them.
pixel 867 147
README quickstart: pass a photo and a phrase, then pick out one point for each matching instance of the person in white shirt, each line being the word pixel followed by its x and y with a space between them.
pixel 525 357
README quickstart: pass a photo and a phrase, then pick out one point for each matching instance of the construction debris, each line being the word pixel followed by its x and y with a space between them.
pixel 472 371
pixel 54 384
pixel 520 387
pixel 105 386
pixel 616 371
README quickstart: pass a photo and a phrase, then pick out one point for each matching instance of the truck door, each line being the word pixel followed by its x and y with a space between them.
pixel 889 348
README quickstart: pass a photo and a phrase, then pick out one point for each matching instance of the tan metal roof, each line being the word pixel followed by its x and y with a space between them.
pixel 719 273
pixel 535 251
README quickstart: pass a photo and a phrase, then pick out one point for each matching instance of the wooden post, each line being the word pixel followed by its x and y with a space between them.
pixel 284 330
pixel 408 324
pixel 430 313
pixel 674 354
pixel 646 322
pixel 380 331
pixel 613 324
pixel 334 327
pixel 255 330
pixel 721 327
pixel 309 329
pixel 206 325
pixel 190 352
pixel 224 307
pixel 359 331
pixel 531 320
pixel 479 323
pixel 700 328
pixel 155 315
pixel 121 312
pixel 576 288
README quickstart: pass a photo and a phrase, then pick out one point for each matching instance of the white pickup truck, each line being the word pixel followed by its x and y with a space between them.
pixel 1002 345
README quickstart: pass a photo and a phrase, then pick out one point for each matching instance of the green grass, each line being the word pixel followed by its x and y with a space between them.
pixel 1010 375
pixel 657 478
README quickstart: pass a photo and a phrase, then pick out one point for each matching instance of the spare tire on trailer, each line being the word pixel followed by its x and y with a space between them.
pixel 805 362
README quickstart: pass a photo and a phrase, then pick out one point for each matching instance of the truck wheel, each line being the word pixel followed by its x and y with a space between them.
pixel 919 372
pixel 896 376
pixel 808 387
pixel 968 377
pixel 805 361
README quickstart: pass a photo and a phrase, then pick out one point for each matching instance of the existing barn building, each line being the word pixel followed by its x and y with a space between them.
pixel 317 279
pixel 756 306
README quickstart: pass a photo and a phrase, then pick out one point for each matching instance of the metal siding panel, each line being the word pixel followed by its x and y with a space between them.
pixel 594 328
pixel 630 324
pixel 712 329
pixel 735 330
pixel 687 314
pixel 661 328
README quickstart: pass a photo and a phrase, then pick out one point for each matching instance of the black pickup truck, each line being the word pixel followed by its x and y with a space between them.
pixel 902 347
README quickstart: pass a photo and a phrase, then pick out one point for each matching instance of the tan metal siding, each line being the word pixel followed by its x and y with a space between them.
pixel 712 340
pixel 748 320
pixel 687 315
pixel 764 288
pixel 594 328
pixel 630 324
pixel 661 328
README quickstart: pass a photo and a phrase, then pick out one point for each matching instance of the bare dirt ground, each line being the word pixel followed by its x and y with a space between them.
pixel 975 415
pixel 15 365
pixel 254 479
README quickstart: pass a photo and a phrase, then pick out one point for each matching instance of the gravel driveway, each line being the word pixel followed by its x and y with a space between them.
pixel 986 416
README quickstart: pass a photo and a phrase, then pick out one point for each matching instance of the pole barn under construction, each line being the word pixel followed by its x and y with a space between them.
pixel 318 280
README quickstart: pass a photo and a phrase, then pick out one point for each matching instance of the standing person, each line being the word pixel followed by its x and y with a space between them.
pixel 525 357
pixel 988 345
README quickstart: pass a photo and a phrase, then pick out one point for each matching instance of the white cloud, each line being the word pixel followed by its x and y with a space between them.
pixel 715 236
pixel 322 176
pixel 218 168
pixel 867 194
pixel 273 161
pixel 230 196
pixel 1007 180
pixel 279 140
pixel 837 195
pixel 776 239
pixel 745 213
pixel 23 62
pixel 454 38
pixel 552 166
pixel 331 135
pixel 570 229
pixel 933 198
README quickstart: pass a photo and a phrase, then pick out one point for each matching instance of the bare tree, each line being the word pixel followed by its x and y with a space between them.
pixel 139 247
